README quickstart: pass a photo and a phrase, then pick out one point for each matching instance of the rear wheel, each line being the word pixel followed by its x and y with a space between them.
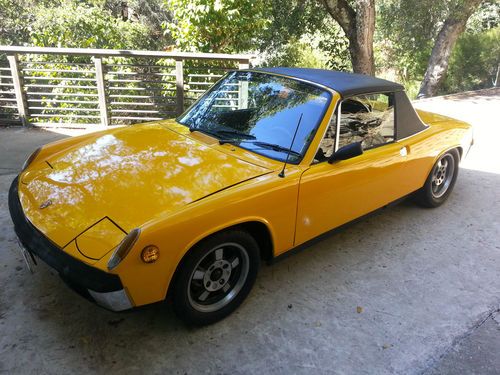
pixel 215 277
pixel 440 181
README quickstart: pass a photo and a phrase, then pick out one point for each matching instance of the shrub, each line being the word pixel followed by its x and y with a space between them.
pixel 474 62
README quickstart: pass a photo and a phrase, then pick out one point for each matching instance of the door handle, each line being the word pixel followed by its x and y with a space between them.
pixel 404 151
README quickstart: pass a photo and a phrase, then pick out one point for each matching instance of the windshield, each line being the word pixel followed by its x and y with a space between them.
pixel 260 112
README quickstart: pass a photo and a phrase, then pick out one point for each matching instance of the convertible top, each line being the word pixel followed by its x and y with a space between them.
pixel 346 84
pixel 349 84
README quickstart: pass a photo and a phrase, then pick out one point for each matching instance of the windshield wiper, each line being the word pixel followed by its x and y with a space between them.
pixel 203 130
pixel 236 133
pixel 269 146
pixel 275 147
pixel 219 133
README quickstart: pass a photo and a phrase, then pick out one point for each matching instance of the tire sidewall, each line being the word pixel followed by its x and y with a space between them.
pixel 429 199
pixel 182 307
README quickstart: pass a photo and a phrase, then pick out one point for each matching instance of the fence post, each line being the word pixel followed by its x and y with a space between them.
pixel 22 108
pixel 101 91
pixel 179 86
pixel 243 64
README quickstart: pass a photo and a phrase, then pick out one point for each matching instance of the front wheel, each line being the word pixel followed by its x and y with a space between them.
pixel 215 277
pixel 440 181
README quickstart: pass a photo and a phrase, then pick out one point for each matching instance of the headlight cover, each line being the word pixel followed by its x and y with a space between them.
pixel 123 248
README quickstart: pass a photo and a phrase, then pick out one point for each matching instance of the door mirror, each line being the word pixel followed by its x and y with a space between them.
pixel 346 152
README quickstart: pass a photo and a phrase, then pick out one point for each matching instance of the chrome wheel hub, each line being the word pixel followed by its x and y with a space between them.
pixel 217 275
pixel 442 175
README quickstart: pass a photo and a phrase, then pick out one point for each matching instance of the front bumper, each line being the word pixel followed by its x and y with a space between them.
pixel 104 288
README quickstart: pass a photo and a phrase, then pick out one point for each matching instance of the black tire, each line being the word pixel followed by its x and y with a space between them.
pixel 433 194
pixel 211 283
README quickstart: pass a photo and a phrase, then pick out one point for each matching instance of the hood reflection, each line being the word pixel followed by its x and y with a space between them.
pixel 131 174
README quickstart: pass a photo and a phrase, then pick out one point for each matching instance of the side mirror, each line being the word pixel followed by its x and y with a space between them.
pixel 346 152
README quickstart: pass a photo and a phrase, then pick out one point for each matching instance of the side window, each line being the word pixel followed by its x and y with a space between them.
pixel 368 119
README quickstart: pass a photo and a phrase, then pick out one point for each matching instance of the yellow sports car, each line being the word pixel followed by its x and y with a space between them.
pixel 264 162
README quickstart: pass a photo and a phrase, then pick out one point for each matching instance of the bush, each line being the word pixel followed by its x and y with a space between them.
pixel 474 62
pixel 71 24
pixel 296 53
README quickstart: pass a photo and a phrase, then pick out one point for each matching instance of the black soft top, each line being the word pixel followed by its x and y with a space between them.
pixel 346 84
pixel 349 84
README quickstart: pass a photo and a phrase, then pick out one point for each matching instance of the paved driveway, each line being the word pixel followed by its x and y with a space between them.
pixel 403 291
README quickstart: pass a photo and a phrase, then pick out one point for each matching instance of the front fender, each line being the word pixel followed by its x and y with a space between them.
pixel 267 199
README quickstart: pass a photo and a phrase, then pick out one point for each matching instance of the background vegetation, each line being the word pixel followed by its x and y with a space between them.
pixel 304 33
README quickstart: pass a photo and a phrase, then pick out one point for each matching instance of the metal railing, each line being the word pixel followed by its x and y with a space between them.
pixel 81 88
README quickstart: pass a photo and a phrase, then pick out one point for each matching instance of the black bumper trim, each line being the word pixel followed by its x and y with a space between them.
pixel 76 273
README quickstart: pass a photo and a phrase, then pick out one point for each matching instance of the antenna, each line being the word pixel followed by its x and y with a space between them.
pixel 282 173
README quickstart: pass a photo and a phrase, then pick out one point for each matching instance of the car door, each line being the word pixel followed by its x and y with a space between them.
pixel 333 194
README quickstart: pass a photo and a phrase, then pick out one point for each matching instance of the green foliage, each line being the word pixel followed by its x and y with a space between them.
pixel 474 62
pixel 14 21
pixel 487 17
pixel 325 48
pixel 82 23
pixel 405 33
pixel 280 32
pixel 290 20
pixel 335 45
pixel 72 24
pixel 297 53
pixel 216 26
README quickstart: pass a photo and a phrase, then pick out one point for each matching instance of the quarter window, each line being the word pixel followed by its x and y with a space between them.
pixel 327 145
pixel 368 119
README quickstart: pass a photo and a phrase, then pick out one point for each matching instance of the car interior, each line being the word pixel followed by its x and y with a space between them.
pixel 364 119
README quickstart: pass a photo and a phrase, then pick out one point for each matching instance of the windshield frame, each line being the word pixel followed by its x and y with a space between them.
pixel 330 93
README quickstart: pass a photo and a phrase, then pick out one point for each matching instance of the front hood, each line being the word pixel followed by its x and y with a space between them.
pixel 117 181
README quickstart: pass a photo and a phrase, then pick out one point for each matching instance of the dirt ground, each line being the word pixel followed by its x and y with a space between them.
pixel 405 291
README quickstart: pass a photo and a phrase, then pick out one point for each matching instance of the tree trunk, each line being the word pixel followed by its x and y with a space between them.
pixel 361 43
pixel 359 26
pixel 453 26
pixel 497 77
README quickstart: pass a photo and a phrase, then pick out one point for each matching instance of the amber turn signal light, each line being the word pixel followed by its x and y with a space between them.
pixel 150 254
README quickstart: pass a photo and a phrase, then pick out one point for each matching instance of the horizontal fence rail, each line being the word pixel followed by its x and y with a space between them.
pixel 83 88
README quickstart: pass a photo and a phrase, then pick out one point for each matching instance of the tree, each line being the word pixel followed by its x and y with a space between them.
pixel 481 48
pixel 358 23
pixel 80 23
pixel 403 45
pixel 452 27
pixel 301 33
pixel 15 21
pixel 216 26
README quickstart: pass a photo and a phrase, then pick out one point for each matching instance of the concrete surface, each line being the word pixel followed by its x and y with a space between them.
pixel 406 291
pixel 478 353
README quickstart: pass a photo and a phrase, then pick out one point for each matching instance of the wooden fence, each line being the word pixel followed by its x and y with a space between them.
pixel 81 88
